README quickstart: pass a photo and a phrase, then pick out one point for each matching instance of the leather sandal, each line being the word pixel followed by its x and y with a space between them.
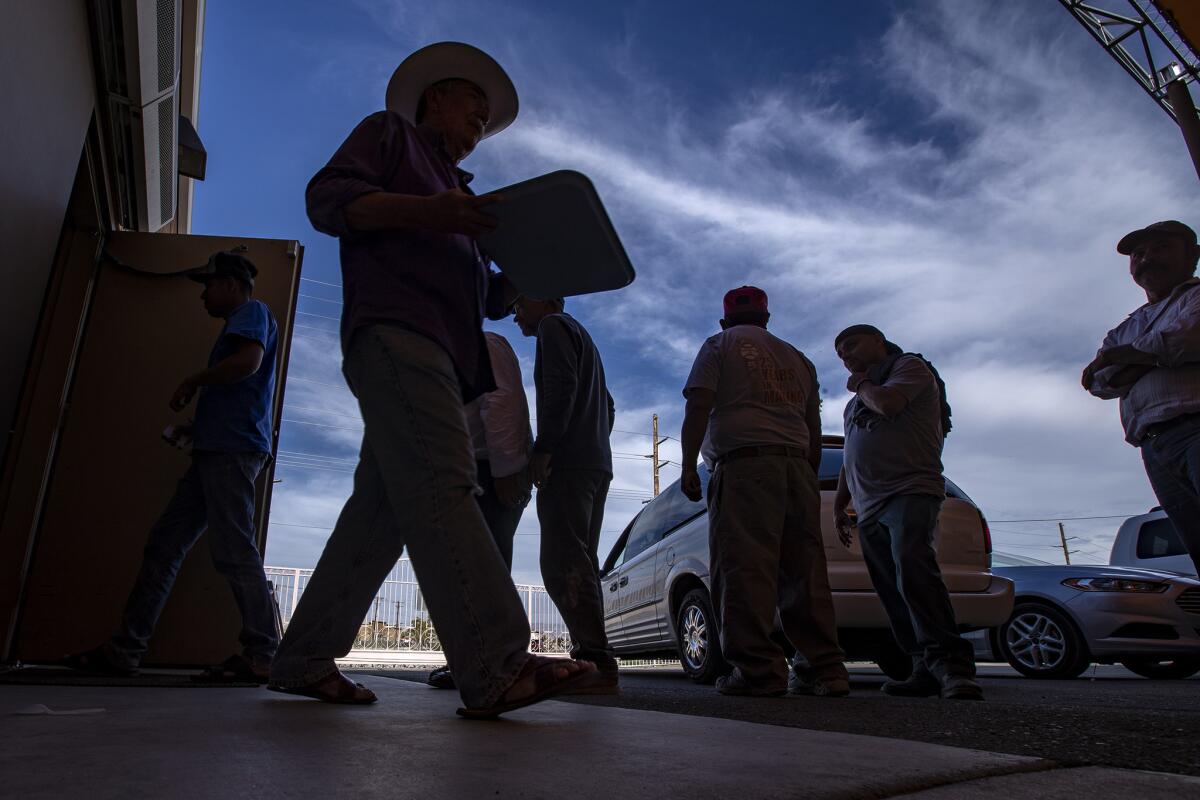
pixel 334 688
pixel 545 685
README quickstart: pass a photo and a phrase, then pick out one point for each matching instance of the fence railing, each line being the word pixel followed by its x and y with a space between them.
pixel 398 620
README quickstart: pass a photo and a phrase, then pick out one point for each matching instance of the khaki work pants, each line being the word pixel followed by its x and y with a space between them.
pixel 767 560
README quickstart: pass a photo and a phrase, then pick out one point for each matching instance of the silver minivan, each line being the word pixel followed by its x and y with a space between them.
pixel 655 580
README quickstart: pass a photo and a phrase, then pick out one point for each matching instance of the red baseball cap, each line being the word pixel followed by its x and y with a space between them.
pixel 745 298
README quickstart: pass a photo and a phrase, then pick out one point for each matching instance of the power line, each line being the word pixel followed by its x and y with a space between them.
pixel 319 383
pixel 321 283
pixel 320 424
pixel 299 454
pixel 1065 519
pixel 321 299
pixel 318 316
pixel 323 411
pixel 314 328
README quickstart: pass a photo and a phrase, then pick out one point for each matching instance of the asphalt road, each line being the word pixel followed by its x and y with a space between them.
pixel 1108 717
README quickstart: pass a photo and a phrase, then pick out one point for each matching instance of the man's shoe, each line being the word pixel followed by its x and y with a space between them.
pixel 441 678
pixel 920 684
pixel 607 682
pixel 100 661
pixel 818 686
pixel 736 685
pixel 959 687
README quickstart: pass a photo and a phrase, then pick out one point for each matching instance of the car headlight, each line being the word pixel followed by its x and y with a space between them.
pixel 1115 585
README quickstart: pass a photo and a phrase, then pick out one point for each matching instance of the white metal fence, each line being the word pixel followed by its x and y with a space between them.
pixel 398 621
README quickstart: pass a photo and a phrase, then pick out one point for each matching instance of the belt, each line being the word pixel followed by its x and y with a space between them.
pixel 763 450
pixel 1159 428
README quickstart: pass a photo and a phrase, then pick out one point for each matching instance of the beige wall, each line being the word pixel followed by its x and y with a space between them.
pixel 47 95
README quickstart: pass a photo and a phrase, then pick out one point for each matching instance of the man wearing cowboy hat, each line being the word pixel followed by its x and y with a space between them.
pixel 1151 361
pixel 415 289
pixel 231 442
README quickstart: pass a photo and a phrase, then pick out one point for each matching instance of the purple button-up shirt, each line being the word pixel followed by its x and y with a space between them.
pixel 434 284
pixel 1169 330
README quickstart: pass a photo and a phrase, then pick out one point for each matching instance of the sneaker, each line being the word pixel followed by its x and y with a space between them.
pixel 736 685
pixel 441 678
pixel 959 687
pixel 834 686
pixel 921 683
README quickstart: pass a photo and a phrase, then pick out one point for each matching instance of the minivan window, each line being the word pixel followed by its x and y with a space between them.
pixel 665 512
pixel 831 466
pixel 1158 539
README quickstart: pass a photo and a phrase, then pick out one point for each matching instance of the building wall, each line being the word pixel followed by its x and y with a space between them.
pixel 47 91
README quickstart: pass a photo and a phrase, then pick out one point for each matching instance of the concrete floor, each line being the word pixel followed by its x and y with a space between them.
pixel 251 743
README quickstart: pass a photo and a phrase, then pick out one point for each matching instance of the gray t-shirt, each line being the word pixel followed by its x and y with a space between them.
pixel 766 390
pixel 885 457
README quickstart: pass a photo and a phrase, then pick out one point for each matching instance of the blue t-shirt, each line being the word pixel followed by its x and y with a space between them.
pixel 236 417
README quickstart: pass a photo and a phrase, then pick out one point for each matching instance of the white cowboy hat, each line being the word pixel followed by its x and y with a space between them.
pixel 437 62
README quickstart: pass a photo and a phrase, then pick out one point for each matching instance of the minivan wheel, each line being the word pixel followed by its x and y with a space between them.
pixel 1173 670
pixel 1039 641
pixel 699 644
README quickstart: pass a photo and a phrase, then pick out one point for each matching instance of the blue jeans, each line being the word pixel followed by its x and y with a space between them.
pixel 413 487
pixel 501 520
pixel 215 494
pixel 1172 462
pixel 570 509
pixel 898 546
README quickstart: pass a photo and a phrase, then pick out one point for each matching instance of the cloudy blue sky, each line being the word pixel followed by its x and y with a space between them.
pixel 954 172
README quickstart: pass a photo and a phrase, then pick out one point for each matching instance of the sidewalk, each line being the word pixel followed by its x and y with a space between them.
pixel 249 742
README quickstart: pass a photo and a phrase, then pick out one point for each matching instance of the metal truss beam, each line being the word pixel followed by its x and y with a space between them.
pixel 1144 44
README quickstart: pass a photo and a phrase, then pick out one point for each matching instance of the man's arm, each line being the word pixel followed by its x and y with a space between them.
pixel 812 418
pixel 346 196
pixel 504 414
pixel 559 383
pixel 695 423
pixel 1170 342
pixel 453 211
pixel 909 378
pixel 1116 368
pixel 841 519
pixel 238 365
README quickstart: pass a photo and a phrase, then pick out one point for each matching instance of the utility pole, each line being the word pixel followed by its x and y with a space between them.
pixel 654 453
pixel 1062 535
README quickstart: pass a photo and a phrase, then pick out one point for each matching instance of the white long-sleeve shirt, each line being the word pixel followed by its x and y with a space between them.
pixel 499 420
pixel 1170 331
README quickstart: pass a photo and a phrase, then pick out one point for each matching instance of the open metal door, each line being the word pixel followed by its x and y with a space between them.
pixel 110 474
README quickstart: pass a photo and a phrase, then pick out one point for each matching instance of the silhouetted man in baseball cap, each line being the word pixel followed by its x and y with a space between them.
pixel 231 442
pixel 757 398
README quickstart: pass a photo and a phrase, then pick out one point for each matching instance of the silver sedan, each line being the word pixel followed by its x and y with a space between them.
pixel 1066 617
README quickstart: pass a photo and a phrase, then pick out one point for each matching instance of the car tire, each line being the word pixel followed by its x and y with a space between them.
pixel 894 662
pixel 1040 641
pixel 699 643
pixel 1172 670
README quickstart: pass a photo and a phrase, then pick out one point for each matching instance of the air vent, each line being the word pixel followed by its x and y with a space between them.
pixel 138 54
pixel 1189 601
pixel 168 38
